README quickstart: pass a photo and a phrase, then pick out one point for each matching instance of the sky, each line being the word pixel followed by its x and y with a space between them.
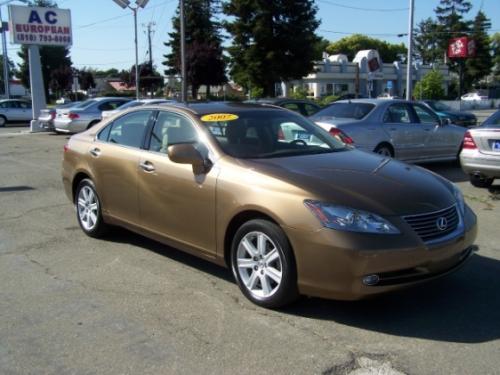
pixel 103 33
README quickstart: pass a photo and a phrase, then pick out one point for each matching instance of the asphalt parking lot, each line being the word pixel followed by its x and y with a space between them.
pixel 70 304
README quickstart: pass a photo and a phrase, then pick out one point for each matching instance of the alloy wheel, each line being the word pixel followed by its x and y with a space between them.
pixel 259 264
pixel 88 208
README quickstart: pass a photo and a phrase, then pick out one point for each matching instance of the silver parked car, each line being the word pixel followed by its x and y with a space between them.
pixel 480 156
pixel 47 115
pixel 132 104
pixel 86 114
pixel 401 129
pixel 14 110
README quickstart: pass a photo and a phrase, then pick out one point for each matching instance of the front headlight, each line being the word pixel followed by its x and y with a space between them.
pixel 460 199
pixel 349 219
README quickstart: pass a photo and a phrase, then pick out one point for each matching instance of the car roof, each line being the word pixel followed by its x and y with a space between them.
pixel 201 109
pixel 280 100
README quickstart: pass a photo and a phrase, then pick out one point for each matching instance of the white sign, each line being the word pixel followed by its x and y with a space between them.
pixel 42 26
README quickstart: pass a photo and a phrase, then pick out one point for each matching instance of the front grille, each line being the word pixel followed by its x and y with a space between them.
pixel 427 226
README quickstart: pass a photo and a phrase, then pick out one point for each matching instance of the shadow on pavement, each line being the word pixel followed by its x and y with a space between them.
pixel 449 170
pixel 461 307
pixel 121 235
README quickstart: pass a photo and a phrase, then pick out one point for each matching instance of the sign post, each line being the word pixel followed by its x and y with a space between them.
pixel 37 26
pixel 460 49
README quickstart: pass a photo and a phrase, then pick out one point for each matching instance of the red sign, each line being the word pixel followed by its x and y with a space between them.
pixel 461 48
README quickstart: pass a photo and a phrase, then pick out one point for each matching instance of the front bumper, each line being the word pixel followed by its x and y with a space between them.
pixel 475 162
pixel 333 264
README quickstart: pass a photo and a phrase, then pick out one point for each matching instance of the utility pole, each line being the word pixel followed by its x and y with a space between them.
pixel 409 63
pixel 150 30
pixel 183 53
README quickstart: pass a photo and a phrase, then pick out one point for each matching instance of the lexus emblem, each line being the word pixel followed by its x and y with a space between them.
pixel 442 223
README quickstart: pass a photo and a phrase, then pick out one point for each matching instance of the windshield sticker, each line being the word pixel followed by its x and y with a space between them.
pixel 217 117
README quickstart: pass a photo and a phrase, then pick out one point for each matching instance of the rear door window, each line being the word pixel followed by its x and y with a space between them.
pixel 129 129
pixel 397 114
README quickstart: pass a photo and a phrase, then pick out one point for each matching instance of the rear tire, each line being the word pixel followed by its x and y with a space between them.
pixel 88 209
pixel 3 121
pixel 481 182
pixel 263 264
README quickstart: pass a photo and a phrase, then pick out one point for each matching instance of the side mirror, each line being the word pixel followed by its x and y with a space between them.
pixel 186 153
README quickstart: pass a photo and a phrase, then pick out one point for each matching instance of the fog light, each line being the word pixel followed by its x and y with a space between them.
pixel 371 280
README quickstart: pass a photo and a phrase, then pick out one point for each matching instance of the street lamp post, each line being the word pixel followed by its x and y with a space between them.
pixel 409 63
pixel 139 4
pixel 183 52
pixel 4 50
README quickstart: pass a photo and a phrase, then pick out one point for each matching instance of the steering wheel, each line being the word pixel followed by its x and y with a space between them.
pixel 298 141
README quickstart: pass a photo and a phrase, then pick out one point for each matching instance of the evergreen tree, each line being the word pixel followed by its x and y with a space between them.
pixel 52 57
pixel 204 56
pixel 12 72
pixel 480 65
pixel 495 51
pixel 427 42
pixel 273 41
pixel 451 24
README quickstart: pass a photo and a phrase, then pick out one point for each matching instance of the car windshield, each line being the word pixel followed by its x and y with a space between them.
pixel 493 122
pixel 86 103
pixel 269 134
pixel 438 106
pixel 346 110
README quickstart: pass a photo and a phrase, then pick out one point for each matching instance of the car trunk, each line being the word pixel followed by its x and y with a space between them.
pixel 487 140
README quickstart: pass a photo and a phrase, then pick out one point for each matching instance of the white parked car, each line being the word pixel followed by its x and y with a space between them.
pixel 13 110
pixel 474 96
pixel 132 104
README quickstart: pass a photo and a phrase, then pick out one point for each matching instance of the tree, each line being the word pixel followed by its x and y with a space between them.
pixel 272 41
pixel 52 57
pixel 12 72
pixel 61 80
pixel 430 86
pixel 427 42
pixel 495 52
pixel 451 24
pixel 149 79
pixel 480 65
pixel 86 79
pixel 350 45
pixel 204 56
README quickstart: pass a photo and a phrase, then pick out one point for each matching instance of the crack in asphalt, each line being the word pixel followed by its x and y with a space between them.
pixel 8 218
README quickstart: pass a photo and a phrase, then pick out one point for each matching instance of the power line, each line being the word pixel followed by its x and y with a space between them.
pixel 364 9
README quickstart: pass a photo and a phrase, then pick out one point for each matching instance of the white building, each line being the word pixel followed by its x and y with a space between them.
pixel 366 74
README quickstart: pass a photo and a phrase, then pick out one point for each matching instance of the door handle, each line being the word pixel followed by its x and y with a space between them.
pixel 95 152
pixel 147 166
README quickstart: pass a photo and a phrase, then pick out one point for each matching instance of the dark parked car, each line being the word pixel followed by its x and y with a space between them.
pixel 302 106
pixel 445 112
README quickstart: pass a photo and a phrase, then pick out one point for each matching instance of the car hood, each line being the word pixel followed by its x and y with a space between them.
pixel 363 181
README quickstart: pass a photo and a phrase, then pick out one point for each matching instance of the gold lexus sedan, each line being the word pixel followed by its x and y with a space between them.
pixel 289 208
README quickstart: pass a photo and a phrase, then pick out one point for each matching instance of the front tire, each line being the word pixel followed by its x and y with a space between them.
pixel 88 209
pixel 263 264
pixel 3 121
